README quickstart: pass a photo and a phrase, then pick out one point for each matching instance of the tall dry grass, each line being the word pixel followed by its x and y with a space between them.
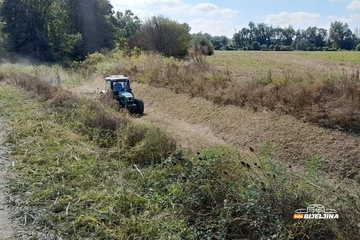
pixel 330 100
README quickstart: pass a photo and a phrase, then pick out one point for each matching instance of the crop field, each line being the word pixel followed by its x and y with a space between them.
pixel 229 147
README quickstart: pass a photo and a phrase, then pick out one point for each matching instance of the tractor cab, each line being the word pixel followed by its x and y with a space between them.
pixel 117 83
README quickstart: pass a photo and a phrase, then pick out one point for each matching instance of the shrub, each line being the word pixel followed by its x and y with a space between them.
pixel 201 45
pixel 286 48
pixel 264 47
pixel 255 46
pixel 357 48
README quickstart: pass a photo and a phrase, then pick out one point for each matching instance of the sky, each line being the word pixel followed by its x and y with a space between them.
pixel 225 17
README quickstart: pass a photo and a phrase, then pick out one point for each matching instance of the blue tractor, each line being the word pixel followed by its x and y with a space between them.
pixel 120 88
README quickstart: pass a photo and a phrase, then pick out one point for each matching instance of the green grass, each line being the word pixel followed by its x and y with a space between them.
pixel 341 56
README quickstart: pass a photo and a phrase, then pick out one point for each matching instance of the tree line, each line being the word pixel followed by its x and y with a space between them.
pixel 68 30
pixel 264 37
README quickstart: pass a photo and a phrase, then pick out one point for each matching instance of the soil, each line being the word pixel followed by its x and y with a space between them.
pixel 6 225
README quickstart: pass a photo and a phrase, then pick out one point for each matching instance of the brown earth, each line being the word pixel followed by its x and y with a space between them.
pixel 195 123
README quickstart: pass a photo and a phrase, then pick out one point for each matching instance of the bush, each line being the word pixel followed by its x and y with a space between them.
pixel 357 48
pixel 93 59
pixel 286 48
pixel 201 45
pixel 264 47
pixel 163 35
pixel 255 46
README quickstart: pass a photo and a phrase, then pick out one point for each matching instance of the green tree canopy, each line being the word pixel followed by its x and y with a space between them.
pixel 55 30
pixel 163 35
pixel 127 24
pixel 341 36
pixel 93 19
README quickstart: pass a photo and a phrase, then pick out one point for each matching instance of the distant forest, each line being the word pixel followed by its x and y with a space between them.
pixel 68 30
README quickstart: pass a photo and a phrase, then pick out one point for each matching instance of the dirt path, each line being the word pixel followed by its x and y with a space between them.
pixel 190 136
pixel 6 231
pixel 195 123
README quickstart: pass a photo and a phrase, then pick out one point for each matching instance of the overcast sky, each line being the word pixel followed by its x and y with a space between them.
pixel 224 17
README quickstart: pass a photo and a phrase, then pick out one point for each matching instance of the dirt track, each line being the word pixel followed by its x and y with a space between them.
pixel 6 231
pixel 195 123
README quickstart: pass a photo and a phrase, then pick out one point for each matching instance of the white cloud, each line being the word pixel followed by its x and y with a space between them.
pixel 284 19
pixel 205 7
pixel 142 3
pixel 164 2
pixel 353 5
pixel 142 13
pixel 341 19
pixel 147 8
pixel 355 16
pixel 351 20
pixel 212 9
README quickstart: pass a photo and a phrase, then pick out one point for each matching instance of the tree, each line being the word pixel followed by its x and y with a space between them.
pixel 312 38
pixel 202 45
pixel 160 34
pixel 51 30
pixel 341 36
pixel 127 24
pixel 303 44
pixel 288 34
pixel 242 38
pixel 263 34
pixel 94 20
pixel 25 25
pixel 220 42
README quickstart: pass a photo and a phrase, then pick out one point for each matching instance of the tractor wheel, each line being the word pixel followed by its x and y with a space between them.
pixel 139 106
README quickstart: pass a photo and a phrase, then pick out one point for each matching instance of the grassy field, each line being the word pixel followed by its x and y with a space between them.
pixel 84 171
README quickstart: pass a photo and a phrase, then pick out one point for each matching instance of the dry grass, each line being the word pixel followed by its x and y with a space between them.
pixel 203 122
pixel 324 92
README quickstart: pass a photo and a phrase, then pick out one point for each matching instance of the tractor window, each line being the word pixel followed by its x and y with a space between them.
pixel 126 86
pixel 118 87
